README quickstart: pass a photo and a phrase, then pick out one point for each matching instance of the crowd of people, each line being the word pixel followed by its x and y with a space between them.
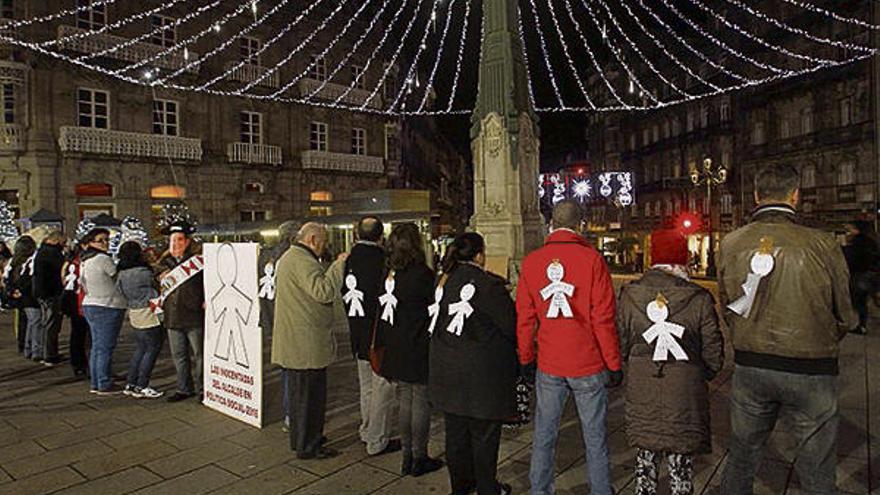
pixel 457 343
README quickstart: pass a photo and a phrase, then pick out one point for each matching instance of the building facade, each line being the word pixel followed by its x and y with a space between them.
pixel 81 143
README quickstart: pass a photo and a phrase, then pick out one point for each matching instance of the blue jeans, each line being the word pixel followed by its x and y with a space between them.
pixel 33 334
pixel 757 399
pixel 189 369
pixel 104 324
pixel 591 400
pixel 148 344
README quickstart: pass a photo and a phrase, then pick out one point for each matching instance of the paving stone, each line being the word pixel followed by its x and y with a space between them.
pixel 436 483
pixel 215 429
pixel 24 467
pixel 97 467
pixel 4 477
pixel 277 480
pixel 19 450
pixel 104 428
pixel 254 461
pixel 45 482
pixel 122 482
pixel 152 431
pixel 188 460
pixel 349 453
pixel 356 479
pixel 204 480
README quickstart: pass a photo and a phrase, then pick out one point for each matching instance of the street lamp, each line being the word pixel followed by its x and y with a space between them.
pixel 709 177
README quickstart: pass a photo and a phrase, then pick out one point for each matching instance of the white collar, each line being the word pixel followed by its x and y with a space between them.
pixel 368 243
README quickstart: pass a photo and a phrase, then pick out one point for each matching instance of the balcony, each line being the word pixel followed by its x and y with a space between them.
pixel 11 137
pixel 134 144
pixel 13 72
pixel 80 40
pixel 256 154
pixel 342 162
pixel 332 91
pixel 249 73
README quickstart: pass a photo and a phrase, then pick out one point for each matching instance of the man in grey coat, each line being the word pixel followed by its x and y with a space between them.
pixel 303 341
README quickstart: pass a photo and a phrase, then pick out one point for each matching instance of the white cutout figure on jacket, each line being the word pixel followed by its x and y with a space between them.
pixel 354 297
pixel 388 301
pixel 434 309
pixel 70 279
pixel 267 283
pixel 663 332
pixel 461 310
pixel 557 291
pixel 28 266
pixel 761 265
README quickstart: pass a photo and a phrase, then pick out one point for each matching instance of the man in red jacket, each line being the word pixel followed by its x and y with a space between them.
pixel 565 296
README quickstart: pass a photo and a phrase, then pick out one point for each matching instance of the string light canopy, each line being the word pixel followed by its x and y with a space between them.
pixel 420 57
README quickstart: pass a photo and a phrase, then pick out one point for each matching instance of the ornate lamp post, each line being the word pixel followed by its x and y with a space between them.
pixel 709 177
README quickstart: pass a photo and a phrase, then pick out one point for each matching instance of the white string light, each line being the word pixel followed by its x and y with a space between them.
pixel 430 83
pixel 522 43
pixel 666 51
pixel 164 27
pixel 458 62
pixel 571 64
pixel 373 22
pixel 109 27
pixel 799 31
pixel 58 15
pixel 547 62
pixel 222 46
pixel 833 15
pixel 411 74
pixel 636 49
pixel 617 55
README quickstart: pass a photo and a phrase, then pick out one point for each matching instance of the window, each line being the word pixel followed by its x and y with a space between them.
pixel 94 190
pixel 690 120
pixel 647 209
pixel 758 136
pixel 726 204
pixel 785 130
pixel 165 117
pixel 318 68
pixel 676 127
pixel 389 84
pixel 846 114
pixel 92 16
pixel 251 127
pixel 357 75
pixel 724 111
pixel 8 103
pixel 93 108
pixel 632 142
pixel 253 215
pixel 646 136
pixel 392 143
pixel 667 129
pixel 321 203
pixel 254 187
pixel 164 32
pixel 725 159
pixel 808 176
pixel 7 9
pixel 656 133
pixel 634 212
pixel 658 209
pixel 321 196
pixel 704 117
pixel 846 174
pixel 358 141
pixel 676 170
pixel 318 136
pixel 807 120
pixel 248 49
pixel 168 191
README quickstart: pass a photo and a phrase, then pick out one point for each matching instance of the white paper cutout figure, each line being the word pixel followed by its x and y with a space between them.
pixel 388 301
pixel 231 308
pixel 558 188
pixel 7 270
pixel 663 332
pixel 557 291
pixel 354 297
pixel 761 265
pixel 70 279
pixel 434 309
pixel 461 310
pixel 28 266
pixel 267 283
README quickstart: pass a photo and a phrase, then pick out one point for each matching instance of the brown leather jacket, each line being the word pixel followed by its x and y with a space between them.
pixel 802 308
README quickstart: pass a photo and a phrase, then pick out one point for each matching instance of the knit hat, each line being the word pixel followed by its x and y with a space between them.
pixel 669 247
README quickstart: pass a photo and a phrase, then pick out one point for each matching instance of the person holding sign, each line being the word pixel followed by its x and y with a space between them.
pixel 784 289
pixel 302 340
pixel 566 300
pixel 183 307
pixel 670 338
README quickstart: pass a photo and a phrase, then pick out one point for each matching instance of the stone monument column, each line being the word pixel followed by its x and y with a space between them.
pixel 505 144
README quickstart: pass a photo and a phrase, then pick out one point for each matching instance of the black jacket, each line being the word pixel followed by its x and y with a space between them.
pixel 367 263
pixel 20 279
pixel 861 254
pixel 184 308
pixel 406 342
pixel 474 374
pixel 47 272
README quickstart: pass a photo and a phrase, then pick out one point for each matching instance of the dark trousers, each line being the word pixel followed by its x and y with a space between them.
pixel 308 404
pixel 758 399
pixel 472 454
pixel 51 326
pixel 79 343
pixel 20 328
pixel 148 344
pixel 861 287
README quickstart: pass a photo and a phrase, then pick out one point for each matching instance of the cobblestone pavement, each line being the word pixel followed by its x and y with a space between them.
pixel 57 438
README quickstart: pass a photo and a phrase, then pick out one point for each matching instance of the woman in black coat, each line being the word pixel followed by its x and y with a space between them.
pixel 406 343
pixel 473 365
